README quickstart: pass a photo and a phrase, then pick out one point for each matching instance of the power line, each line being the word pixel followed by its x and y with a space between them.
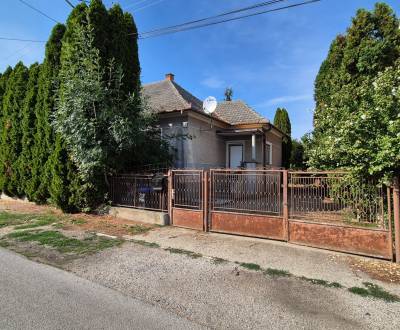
pixel 38 11
pixel 169 30
pixel 262 4
pixel 70 3
pixel 146 6
pixel 24 40
pixel 135 4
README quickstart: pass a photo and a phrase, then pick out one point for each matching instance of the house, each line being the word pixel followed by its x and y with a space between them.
pixel 233 136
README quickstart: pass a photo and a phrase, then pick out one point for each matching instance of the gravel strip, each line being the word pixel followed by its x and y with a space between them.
pixel 226 296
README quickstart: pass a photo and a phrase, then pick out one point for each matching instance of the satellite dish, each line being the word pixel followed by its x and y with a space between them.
pixel 210 104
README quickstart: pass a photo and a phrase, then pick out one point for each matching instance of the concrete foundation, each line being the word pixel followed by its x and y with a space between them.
pixel 147 216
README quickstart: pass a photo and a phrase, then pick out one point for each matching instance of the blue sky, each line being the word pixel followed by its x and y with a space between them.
pixel 270 60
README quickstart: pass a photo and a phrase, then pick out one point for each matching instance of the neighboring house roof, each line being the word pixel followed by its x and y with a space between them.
pixel 168 96
pixel 238 112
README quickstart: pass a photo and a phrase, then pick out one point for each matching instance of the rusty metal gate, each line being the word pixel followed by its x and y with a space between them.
pixel 248 202
pixel 187 199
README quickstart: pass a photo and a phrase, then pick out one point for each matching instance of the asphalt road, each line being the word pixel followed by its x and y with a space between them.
pixel 36 296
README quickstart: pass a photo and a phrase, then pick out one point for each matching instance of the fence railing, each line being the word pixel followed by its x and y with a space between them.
pixel 188 189
pixel 246 191
pixel 137 191
pixel 335 197
pixel 314 196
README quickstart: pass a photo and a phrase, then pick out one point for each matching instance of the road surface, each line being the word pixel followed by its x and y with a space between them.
pixel 37 296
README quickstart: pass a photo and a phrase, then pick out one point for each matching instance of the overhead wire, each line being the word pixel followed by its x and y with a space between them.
pixel 170 30
pixel 38 10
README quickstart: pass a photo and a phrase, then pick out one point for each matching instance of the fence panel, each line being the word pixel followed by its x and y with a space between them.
pixel 136 191
pixel 246 191
pixel 335 198
pixel 187 193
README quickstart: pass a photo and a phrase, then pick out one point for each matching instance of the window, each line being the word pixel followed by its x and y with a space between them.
pixel 268 153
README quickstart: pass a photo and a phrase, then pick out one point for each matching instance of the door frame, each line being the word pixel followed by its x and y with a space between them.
pixel 241 143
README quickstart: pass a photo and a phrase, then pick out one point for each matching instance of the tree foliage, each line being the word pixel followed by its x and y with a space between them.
pixel 11 134
pixel 69 122
pixel 356 94
pixel 282 122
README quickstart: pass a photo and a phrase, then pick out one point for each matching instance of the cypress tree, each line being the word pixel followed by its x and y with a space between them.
pixel 38 186
pixel 282 122
pixel 28 129
pixel 11 134
pixel 345 83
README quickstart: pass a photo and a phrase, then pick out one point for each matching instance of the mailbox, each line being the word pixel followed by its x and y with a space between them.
pixel 158 182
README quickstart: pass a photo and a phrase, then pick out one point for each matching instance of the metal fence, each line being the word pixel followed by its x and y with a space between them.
pixel 137 191
pixel 246 191
pixel 187 189
pixel 335 197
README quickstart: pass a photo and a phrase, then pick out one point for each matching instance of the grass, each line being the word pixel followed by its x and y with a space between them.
pixel 138 229
pixel 65 244
pixel 144 243
pixel 249 265
pixel 26 221
pixel 277 272
pixel 190 254
pixel 321 282
pixel 39 221
pixel 374 291
pixel 78 221
pixel 12 219
pixel 218 261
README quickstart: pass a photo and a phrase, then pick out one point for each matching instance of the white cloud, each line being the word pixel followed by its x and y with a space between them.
pixel 213 82
pixel 285 99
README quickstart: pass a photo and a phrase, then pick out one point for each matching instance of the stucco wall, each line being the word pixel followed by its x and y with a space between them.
pixel 198 145
pixel 276 148
pixel 206 149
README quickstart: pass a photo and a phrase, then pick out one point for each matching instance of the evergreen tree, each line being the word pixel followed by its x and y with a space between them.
pixel 297 155
pixel 11 134
pixel 282 122
pixel 343 136
pixel 38 187
pixel 28 122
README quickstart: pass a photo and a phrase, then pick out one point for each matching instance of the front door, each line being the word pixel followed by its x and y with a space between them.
pixel 235 155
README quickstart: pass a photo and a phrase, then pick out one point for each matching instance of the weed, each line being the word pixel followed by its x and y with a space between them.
pixel 4 244
pixel 144 243
pixel 138 229
pixel 277 272
pixel 250 266
pixel 64 244
pixel 375 291
pixel 78 221
pixel 39 221
pixel 218 261
pixel 321 282
pixel 190 254
pixel 12 219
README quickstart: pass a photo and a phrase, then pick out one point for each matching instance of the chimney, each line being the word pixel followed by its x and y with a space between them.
pixel 170 76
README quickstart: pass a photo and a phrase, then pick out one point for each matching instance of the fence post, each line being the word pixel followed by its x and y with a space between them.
pixel 170 196
pixel 389 228
pixel 396 213
pixel 205 200
pixel 285 203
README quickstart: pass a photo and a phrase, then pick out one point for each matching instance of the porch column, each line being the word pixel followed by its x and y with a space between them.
pixel 253 147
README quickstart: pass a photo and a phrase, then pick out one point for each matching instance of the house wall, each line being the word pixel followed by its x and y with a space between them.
pixel 205 149
pixel 199 146
pixel 276 148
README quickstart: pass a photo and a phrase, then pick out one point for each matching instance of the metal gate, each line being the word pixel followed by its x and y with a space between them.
pixel 187 199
